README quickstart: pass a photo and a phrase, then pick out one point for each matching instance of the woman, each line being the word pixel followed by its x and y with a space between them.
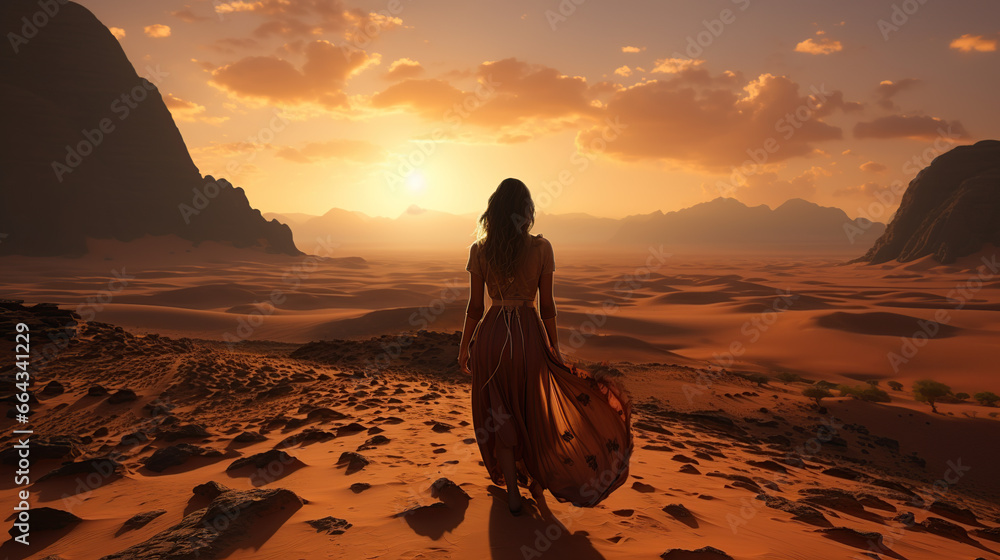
pixel 538 422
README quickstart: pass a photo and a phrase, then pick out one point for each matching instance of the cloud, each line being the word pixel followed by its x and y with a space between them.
pixel 623 71
pixel 514 99
pixel 311 19
pixel 872 167
pixel 157 31
pixel 348 150
pixel 767 188
pixel 187 16
pixel 921 127
pixel 118 32
pixel 978 43
pixel 887 89
pixel 633 49
pixel 820 45
pixel 715 122
pixel 189 111
pixel 274 80
pixel 404 68
pixel 675 65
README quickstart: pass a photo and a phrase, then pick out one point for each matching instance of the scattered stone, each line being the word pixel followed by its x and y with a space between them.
pixel 330 525
pixel 47 519
pixel 105 467
pixel 355 461
pixel 249 437
pixel 689 469
pixel 800 512
pixel 184 431
pixel 359 487
pixel 140 520
pixel 262 460
pixel 176 455
pixel 122 396
pixel 944 528
pixel 705 552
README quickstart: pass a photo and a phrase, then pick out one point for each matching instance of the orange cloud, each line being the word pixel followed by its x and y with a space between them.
pixel 404 68
pixel 675 65
pixel 348 150
pixel 920 127
pixel 887 89
pixel 623 71
pixel 190 111
pixel 515 99
pixel 866 189
pixel 822 45
pixel 157 31
pixel 715 122
pixel 187 16
pixel 274 80
pixel 969 43
pixel 872 167
pixel 633 49
pixel 118 32
pixel 311 18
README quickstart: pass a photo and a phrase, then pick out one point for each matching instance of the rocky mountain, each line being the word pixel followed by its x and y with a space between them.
pixel 89 149
pixel 728 223
pixel 722 224
pixel 949 210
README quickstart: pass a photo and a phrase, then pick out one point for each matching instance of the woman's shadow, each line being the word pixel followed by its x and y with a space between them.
pixel 535 533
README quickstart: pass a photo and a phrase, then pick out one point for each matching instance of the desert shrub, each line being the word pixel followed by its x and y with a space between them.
pixel 895 385
pixel 930 392
pixel 758 378
pixel 816 393
pixel 826 384
pixel 872 382
pixel 962 396
pixel 987 398
pixel 864 393
pixel 788 377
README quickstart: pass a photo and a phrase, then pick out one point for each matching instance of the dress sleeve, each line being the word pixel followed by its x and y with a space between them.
pixel 473 265
pixel 548 258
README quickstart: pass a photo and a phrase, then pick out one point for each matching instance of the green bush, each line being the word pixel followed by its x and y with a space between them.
pixel 816 393
pixel 930 392
pixel 788 377
pixel 987 398
pixel 962 396
pixel 864 393
pixel 895 385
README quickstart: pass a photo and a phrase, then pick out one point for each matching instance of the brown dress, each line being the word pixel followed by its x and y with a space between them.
pixel 570 431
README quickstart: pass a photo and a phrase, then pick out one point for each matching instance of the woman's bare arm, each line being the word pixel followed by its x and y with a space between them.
pixel 473 313
pixel 547 311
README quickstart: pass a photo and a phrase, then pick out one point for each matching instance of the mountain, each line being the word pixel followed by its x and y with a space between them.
pixel 727 223
pixel 89 149
pixel 722 224
pixel 950 209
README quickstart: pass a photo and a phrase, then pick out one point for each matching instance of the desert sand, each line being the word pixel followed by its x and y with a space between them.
pixel 186 364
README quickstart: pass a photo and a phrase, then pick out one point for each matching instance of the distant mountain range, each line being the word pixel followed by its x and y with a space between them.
pixel 723 224
pixel 89 150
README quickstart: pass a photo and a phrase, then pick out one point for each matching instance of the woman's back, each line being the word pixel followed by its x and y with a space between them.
pixel 536 261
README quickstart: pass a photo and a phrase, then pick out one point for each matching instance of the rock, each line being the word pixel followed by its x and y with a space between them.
pixel 325 414
pixel 47 519
pixel 122 396
pixel 249 437
pixel 954 512
pixel 949 209
pixel 308 435
pixel 262 460
pixel 186 431
pixel 768 465
pixel 944 528
pixel 992 533
pixel 359 487
pixel 210 490
pixel 684 459
pixel 703 553
pixel 56 447
pixel 373 442
pixel 853 537
pixel 53 388
pixel 354 461
pixel 643 488
pixel 441 427
pixel 689 469
pixel 678 511
pixel 176 455
pixel 449 492
pixel 140 520
pixel 349 429
pixel 105 467
pixel 800 512
pixel 906 518
pixel 96 391
pixel 330 525
pixel 833 498
pixel 217 530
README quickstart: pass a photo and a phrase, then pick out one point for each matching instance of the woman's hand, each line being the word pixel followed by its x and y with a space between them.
pixel 463 360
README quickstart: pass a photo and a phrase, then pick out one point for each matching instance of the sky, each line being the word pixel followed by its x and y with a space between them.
pixel 606 108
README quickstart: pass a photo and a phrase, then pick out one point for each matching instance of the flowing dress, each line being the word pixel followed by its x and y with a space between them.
pixel 569 430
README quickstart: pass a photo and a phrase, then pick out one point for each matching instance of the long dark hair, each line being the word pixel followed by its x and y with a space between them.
pixel 503 229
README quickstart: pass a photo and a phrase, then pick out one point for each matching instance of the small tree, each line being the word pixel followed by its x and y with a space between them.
pixel 930 392
pixel 817 393
pixel 873 382
pixel 987 398
pixel 895 385
pixel 962 396
pixel 825 384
